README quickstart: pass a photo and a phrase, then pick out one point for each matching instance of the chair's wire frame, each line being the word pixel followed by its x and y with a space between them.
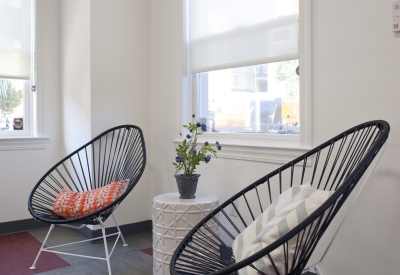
pixel 117 154
pixel 316 266
pixel 336 165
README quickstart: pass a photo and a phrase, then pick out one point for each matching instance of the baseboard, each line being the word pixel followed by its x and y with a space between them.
pixel 21 226
pixel 126 229
pixel 32 224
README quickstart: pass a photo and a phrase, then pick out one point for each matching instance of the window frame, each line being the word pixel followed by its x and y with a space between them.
pixel 262 147
pixel 31 140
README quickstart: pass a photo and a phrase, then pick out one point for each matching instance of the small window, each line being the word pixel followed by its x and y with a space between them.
pixel 14 107
pixel 238 81
pixel 16 47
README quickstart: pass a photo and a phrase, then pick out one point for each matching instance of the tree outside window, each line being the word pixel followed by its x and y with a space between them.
pixel 11 99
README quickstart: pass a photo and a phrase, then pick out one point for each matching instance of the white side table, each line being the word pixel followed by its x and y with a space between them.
pixel 173 218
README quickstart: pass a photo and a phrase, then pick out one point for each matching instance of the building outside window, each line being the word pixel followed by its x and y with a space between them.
pixel 16 47
pixel 243 56
pixel 238 81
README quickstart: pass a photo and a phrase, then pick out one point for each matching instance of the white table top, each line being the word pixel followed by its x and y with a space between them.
pixel 173 198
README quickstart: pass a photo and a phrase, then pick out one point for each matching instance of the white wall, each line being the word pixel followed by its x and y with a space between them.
pixel 21 169
pixel 165 91
pixel 356 63
pixel 75 73
pixel 357 78
pixel 105 79
pixel 120 83
pixel 120 52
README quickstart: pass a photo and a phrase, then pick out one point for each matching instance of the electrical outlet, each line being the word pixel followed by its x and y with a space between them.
pixel 233 211
pixel 396 16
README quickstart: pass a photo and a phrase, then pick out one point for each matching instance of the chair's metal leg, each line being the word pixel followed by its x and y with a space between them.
pixel 41 248
pixel 318 271
pixel 105 246
pixel 119 230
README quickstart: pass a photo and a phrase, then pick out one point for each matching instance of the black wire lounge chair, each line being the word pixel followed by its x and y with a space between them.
pixel 336 166
pixel 118 154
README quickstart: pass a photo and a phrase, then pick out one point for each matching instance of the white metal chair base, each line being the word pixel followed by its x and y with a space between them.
pixel 104 237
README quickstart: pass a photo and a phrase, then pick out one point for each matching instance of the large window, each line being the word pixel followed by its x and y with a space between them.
pixel 16 47
pixel 243 58
pixel 252 99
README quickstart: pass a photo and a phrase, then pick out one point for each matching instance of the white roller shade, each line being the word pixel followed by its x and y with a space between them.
pixel 15 39
pixel 234 33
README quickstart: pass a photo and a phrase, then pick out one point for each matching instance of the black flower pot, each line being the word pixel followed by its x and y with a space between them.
pixel 187 185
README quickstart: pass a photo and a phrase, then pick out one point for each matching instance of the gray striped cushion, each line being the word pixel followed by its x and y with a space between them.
pixel 244 239
pixel 306 202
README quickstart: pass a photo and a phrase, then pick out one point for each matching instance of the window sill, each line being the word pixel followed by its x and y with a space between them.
pixel 242 150
pixel 23 143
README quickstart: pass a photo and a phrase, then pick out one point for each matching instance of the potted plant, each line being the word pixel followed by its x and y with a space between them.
pixel 188 157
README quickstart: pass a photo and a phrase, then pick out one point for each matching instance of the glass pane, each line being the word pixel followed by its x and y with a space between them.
pixel 254 99
pixel 11 105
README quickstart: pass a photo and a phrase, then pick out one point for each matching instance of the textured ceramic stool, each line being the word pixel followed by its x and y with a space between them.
pixel 173 218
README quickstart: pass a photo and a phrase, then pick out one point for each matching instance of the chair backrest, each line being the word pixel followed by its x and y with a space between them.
pixel 117 154
pixel 336 165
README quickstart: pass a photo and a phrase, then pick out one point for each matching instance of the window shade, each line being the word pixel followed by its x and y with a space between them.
pixel 15 39
pixel 233 33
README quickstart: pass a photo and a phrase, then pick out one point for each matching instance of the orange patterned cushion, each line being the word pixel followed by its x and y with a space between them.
pixel 71 204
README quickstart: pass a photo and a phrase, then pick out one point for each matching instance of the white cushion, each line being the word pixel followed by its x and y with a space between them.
pixel 288 217
pixel 243 240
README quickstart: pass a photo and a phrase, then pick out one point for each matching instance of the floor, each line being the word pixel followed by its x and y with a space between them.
pixel 132 259
pixel 125 260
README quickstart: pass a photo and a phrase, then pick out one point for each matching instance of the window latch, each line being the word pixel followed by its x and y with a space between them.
pixel 298 70
pixel 33 88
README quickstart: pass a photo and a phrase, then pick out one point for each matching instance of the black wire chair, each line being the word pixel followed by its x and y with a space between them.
pixel 336 165
pixel 117 154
